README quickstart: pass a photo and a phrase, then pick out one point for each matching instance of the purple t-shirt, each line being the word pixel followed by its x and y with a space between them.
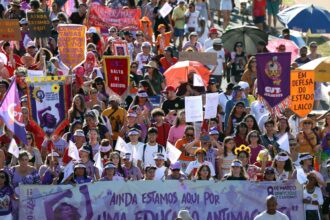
pixel 5 200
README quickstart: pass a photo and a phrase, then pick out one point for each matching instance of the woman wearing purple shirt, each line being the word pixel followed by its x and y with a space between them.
pixel 6 196
pixel 50 169
pixel 80 174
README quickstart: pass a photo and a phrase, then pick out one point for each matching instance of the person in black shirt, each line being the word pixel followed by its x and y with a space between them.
pixel 237 171
pixel 172 102
pixel 79 16
pixel 15 11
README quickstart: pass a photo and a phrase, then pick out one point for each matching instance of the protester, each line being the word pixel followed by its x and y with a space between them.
pixel 271 212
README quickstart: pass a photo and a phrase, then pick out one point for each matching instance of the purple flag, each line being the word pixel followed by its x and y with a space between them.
pixel 273 74
pixel 11 112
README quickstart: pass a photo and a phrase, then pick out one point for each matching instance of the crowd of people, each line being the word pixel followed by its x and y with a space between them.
pixel 239 144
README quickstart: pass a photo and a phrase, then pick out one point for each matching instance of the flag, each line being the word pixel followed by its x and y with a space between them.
pixel 301 176
pixel 284 142
pixel 11 112
pixel 13 148
pixel 122 146
pixel 173 153
pixel 68 170
pixel 98 162
pixel 73 151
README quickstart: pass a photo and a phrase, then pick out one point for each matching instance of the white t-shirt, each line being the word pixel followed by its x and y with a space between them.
pixel 265 216
pixel 258 109
pixel 193 166
pixel 315 196
pixel 193 19
pixel 149 154
pixel 223 98
pixel 220 59
pixel 142 59
pixel 208 43
pixel 160 173
pixel 135 151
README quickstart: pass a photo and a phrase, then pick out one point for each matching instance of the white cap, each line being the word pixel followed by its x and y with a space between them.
pixel 91 30
pixel 244 85
pixel 30 44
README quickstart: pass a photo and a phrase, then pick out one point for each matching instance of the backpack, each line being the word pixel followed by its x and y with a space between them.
pixel 159 150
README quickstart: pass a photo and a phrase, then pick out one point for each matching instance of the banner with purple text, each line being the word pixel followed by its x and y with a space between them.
pixel 157 200
pixel 47 98
pixel 273 74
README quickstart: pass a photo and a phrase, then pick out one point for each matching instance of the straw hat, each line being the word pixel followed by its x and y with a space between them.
pixel 302 121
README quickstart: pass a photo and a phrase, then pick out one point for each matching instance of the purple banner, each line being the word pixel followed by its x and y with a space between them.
pixel 273 74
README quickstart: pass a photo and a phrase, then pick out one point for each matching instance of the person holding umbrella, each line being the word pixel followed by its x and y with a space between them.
pixel 237 62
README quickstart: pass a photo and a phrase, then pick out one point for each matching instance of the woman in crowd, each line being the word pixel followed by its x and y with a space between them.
pixel 254 141
pixel 283 127
pixel 306 138
pixel 250 72
pixel 93 140
pixel 80 174
pixel 177 130
pixel 241 132
pixel 34 152
pixel 283 166
pixel 86 156
pixel 203 173
pixel 141 100
pixel 326 128
pixel 251 123
pixel 78 109
pixel 237 171
pixel 116 160
pixel 110 173
pixel 50 170
pixel 6 196
pixel 236 116
pixel 99 85
pixel 228 155
pixel 269 174
pixel 94 100
pixel 237 62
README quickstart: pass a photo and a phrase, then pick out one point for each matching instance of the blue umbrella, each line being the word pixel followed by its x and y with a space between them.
pixel 306 17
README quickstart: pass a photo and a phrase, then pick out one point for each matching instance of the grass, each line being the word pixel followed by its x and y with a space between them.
pixel 322 40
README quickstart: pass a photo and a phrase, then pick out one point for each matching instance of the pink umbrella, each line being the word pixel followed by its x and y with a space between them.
pixel 278 44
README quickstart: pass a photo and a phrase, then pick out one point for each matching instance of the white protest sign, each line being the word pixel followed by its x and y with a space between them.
pixel 122 146
pixel 68 170
pixel 13 148
pixel 284 142
pixel 211 105
pixel 173 153
pixel 198 81
pixel 193 108
pixel 73 151
pixel 165 10
pixel 35 73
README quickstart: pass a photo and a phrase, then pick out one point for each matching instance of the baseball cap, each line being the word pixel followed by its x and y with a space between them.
pixel 237 88
pixel 54 154
pixel 230 86
pixel 244 85
pixel 150 166
pixel 30 44
pixel 213 131
pixel 110 166
pixel 167 89
pixel 91 30
pixel 79 133
pixel 23 21
pixel 175 166
pixel 79 165
pixel 127 156
pixel 131 114
pixel 217 41
pixel 205 138
pixel 159 156
pixel 236 163
pixel 142 93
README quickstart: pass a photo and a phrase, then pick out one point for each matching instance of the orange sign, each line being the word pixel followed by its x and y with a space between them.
pixel 72 44
pixel 302 92
pixel 10 30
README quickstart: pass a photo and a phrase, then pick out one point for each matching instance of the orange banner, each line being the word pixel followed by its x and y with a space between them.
pixel 72 44
pixel 302 92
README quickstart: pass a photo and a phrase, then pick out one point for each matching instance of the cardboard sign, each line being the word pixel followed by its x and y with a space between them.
pixel 302 92
pixel 193 108
pixel 117 73
pixel 72 44
pixel 10 30
pixel 207 58
pixel 39 24
pixel 105 17
pixel 211 105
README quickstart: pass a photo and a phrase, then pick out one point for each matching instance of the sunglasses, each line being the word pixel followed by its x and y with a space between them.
pixel 133 67
pixel 29 138
pixel 242 157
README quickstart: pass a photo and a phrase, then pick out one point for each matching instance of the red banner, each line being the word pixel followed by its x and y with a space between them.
pixel 104 17
pixel 117 73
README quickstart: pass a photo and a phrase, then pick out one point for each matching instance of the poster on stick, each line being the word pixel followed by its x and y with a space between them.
pixel 105 17
pixel 72 44
pixel 302 92
pixel 117 73
pixel 39 24
pixel 10 30
pixel 273 73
